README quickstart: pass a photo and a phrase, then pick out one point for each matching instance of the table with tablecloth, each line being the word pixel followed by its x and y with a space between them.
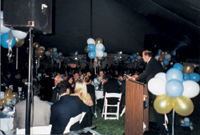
pixel 6 124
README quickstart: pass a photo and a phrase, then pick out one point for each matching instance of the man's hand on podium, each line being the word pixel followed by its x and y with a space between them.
pixel 134 77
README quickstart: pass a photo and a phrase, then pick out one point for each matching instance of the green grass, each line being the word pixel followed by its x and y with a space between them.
pixel 117 127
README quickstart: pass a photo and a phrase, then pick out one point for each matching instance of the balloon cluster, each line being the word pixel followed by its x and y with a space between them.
pixel 10 37
pixel 135 57
pixel 54 55
pixel 163 57
pixel 173 91
pixel 95 48
pixel 186 123
pixel 8 95
pixel 39 50
pixel 81 60
pixel 96 83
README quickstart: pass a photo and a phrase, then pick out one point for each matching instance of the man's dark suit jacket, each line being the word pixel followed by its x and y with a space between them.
pixel 111 86
pixel 61 112
pixel 153 67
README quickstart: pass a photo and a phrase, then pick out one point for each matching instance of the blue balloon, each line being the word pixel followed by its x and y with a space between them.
pixel 114 60
pixel 159 51
pixel 55 53
pixel 174 88
pixel 178 66
pixel 195 77
pixel 91 47
pixel 134 55
pixel 174 73
pixel 186 76
pixel 103 48
pixel 133 61
pixel 98 82
pixel 5 40
pixel 92 54
pixel 187 123
pixel 166 62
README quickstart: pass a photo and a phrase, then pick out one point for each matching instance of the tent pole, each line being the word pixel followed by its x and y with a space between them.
pixel 30 82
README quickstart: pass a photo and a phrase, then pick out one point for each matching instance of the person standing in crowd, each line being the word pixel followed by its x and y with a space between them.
pixel 40 111
pixel 153 67
pixel 122 88
pixel 55 95
pixel 66 108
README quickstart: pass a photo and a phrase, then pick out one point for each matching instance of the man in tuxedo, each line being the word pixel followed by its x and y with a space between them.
pixel 65 108
pixel 55 94
pixel 153 67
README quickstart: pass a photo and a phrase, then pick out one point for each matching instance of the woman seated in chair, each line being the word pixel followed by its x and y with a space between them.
pixel 81 91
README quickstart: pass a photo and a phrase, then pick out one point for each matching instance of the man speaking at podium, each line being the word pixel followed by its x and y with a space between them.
pixel 153 67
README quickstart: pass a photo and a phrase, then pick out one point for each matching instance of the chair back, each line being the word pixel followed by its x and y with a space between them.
pixel 74 120
pixel 113 95
pixel 37 130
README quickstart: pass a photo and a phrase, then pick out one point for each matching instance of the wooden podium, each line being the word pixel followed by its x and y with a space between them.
pixel 135 114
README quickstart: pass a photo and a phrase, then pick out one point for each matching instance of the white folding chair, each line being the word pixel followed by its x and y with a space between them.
pixel 106 105
pixel 37 130
pixel 73 120
pixel 123 111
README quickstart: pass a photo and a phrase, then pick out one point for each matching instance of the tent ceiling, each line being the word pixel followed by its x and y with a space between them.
pixel 125 25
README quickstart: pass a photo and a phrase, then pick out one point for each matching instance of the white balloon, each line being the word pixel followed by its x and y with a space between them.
pixel 156 57
pixel 90 41
pixel 156 86
pixel 54 49
pixel 190 88
pixel 60 53
pixel 99 53
pixel 168 57
pixel 47 53
pixel 19 34
pixel 99 46
pixel 42 47
pixel 139 57
pixel 105 54
pixel 161 75
pixel 1 14
pixel 4 29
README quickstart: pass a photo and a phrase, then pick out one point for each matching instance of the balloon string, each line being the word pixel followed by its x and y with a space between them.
pixel 9 46
pixel 173 114
pixel 166 122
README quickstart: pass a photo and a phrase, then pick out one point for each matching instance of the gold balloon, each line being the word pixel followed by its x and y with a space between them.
pixel 40 51
pixel 166 53
pixel 36 45
pixel 136 59
pixel 182 121
pixel 163 104
pixel 50 50
pixel 96 84
pixel 162 53
pixel 51 55
pixel 41 57
pixel 86 49
pixel 3 101
pixel 19 42
pixel 138 54
pixel 14 95
pixel 183 106
pixel 8 93
pixel 98 40
pixel 188 68
pixel 161 59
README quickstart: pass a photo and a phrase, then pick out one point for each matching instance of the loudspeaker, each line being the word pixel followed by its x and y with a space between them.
pixel 25 14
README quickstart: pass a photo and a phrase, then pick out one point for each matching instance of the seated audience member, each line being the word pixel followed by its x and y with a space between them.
pixel 110 85
pixel 69 79
pixel 65 108
pixel 55 94
pixel 40 111
pixel 47 84
pixel 15 81
pixel 81 92
pixel 122 88
pixel 91 91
